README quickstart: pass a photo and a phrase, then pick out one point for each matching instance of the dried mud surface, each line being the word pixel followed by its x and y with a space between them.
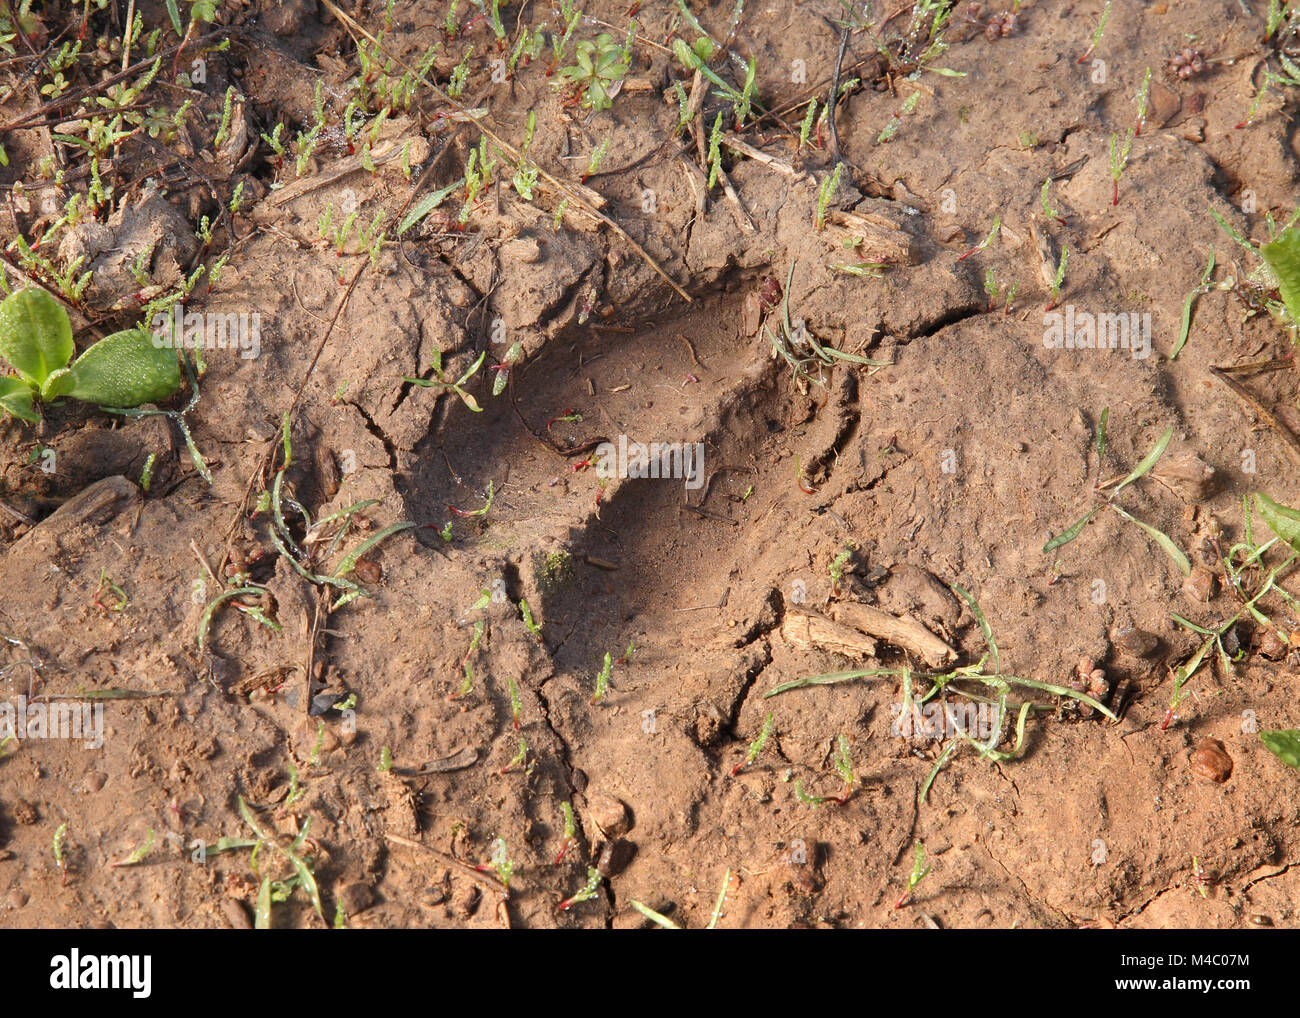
pixel 951 465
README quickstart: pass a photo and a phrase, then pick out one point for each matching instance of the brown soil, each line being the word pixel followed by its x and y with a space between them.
pixel 951 465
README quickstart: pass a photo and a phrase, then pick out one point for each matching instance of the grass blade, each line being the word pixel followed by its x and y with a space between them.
pixel 1069 534
pixel 830 679
pixel 1148 461
pixel 1162 539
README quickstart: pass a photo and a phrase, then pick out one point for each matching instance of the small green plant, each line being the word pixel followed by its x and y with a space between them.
pixel 992 235
pixel 1097 34
pixel 385 759
pixel 799 348
pixel 1060 276
pixel 844 767
pixel 825 192
pixel 440 380
pixel 600 65
pixel 919 872
pixel 587 892
pixel 1119 151
pixel 570 831
pixel 301 864
pixel 756 747
pixel 138 855
pixel 1165 543
pixel 1242 565
pixel 836 568
pixel 602 679
pixel 1045 203
pixel 121 370
pixel 995 291
pixel 597 157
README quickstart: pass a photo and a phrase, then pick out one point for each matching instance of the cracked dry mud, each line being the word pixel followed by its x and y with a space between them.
pixel 951 465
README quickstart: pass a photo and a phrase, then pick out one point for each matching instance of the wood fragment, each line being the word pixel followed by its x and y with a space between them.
pixel 1288 437
pixel 902 632
pixel 810 630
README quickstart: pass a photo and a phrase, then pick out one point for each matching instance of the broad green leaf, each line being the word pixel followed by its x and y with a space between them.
pixel 125 370
pixel 1283 521
pixel 35 334
pixel 16 398
pixel 426 205
pixel 1283 743
pixel 1283 257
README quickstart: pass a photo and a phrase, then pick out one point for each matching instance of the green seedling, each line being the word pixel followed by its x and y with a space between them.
pixel 844 767
pixel 756 747
pixel 1097 34
pixel 943 683
pixel 715 152
pixel 995 292
pixel 1165 543
pixel 597 157
pixel 441 381
pixel 983 244
pixel 500 864
pixel 600 65
pixel 138 855
pixel 799 348
pixel 809 118
pixel 570 831
pixel 1242 562
pixel 479 629
pixel 427 204
pixel 122 370
pixel 1045 203
pixel 518 760
pixel 1102 422
pixel 825 192
pixel 516 704
pixel 385 760
pixel 106 589
pixel 587 892
pixel 1205 286
pixel 602 679
pixel 1060 276
pixel 919 871
pixel 527 614
pixel 303 867
pixel 836 568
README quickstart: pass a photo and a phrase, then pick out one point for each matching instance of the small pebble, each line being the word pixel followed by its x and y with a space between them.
pixel 1210 760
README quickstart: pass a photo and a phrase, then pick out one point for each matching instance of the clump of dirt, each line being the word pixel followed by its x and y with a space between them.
pixel 569 659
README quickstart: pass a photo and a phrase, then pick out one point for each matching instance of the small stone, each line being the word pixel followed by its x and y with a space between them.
pixel 1138 643
pixel 1272 647
pixel 16 899
pixel 356 898
pixel 95 780
pixel 368 572
pixel 1210 760
pixel 609 815
pixel 615 857
pixel 1188 476
pixel 236 914
pixel 1201 585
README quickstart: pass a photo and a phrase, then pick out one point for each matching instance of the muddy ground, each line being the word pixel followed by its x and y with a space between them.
pixel 950 461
